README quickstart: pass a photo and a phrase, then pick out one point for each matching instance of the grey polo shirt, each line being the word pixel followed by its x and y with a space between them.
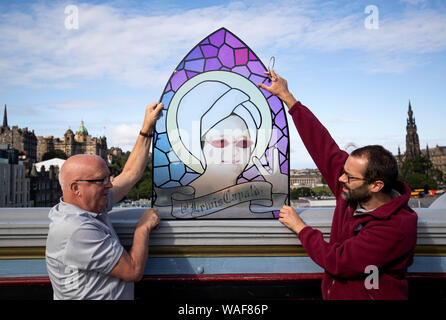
pixel 81 249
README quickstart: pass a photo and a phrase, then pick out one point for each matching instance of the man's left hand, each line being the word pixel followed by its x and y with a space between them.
pixel 289 217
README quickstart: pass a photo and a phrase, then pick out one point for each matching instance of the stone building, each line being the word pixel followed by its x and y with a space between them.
pixel 73 143
pixel 45 190
pixel 438 157
pixel 14 185
pixel 308 178
pixel 115 151
pixel 23 140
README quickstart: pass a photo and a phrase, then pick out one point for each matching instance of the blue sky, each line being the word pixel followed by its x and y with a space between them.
pixel 357 80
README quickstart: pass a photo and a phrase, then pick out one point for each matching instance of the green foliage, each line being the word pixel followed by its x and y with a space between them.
pixel 54 154
pixel 118 163
pixel 143 188
pixel 301 192
pixel 310 192
pixel 419 173
pixel 420 181
pixel 323 180
pixel 322 191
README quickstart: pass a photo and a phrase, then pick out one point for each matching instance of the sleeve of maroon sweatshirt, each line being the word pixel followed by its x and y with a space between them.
pixel 320 145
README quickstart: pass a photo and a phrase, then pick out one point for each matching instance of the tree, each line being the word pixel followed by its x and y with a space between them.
pixel 301 192
pixel 419 173
pixel 323 181
pixel 322 191
pixel 54 154
pixel 143 188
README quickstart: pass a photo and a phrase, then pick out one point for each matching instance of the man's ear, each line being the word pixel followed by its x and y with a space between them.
pixel 377 186
pixel 74 187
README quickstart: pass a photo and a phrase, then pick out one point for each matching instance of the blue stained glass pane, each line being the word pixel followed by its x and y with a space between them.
pixel 162 143
pixel 161 175
pixel 190 170
pixel 177 170
pixel 166 99
pixel 188 178
pixel 160 159
pixel 172 157
pixel 161 123
pixel 171 184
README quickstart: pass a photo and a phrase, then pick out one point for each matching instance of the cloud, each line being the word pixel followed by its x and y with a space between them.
pixel 123 135
pixel 77 104
pixel 414 2
pixel 141 50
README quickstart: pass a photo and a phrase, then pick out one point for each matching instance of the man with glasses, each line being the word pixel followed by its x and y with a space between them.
pixel 373 227
pixel 84 257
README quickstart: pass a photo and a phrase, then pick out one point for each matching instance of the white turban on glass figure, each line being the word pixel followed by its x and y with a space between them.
pixel 220 125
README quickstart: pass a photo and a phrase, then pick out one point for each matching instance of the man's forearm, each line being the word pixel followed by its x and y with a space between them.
pixel 133 169
pixel 289 99
pixel 139 157
pixel 131 265
pixel 139 252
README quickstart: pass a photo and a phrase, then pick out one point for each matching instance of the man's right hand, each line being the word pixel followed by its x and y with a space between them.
pixel 150 219
pixel 289 217
pixel 279 88
pixel 153 113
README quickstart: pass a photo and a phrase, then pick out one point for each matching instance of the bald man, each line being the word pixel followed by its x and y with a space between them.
pixel 84 257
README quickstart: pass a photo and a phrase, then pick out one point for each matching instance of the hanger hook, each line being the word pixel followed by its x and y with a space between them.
pixel 272 61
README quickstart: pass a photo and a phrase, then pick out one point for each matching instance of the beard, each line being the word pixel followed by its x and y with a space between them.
pixel 360 194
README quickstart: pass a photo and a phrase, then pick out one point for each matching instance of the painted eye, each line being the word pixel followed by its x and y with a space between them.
pixel 245 143
pixel 219 143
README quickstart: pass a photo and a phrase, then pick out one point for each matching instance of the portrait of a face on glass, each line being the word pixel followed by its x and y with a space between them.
pixel 221 148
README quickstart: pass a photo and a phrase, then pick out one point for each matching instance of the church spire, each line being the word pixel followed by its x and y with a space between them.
pixel 412 140
pixel 5 118
pixel 411 119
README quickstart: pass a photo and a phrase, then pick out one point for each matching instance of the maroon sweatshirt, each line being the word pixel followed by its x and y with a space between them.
pixel 385 237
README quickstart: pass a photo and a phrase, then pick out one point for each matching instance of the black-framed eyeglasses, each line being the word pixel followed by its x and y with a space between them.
pixel 104 180
pixel 350 178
